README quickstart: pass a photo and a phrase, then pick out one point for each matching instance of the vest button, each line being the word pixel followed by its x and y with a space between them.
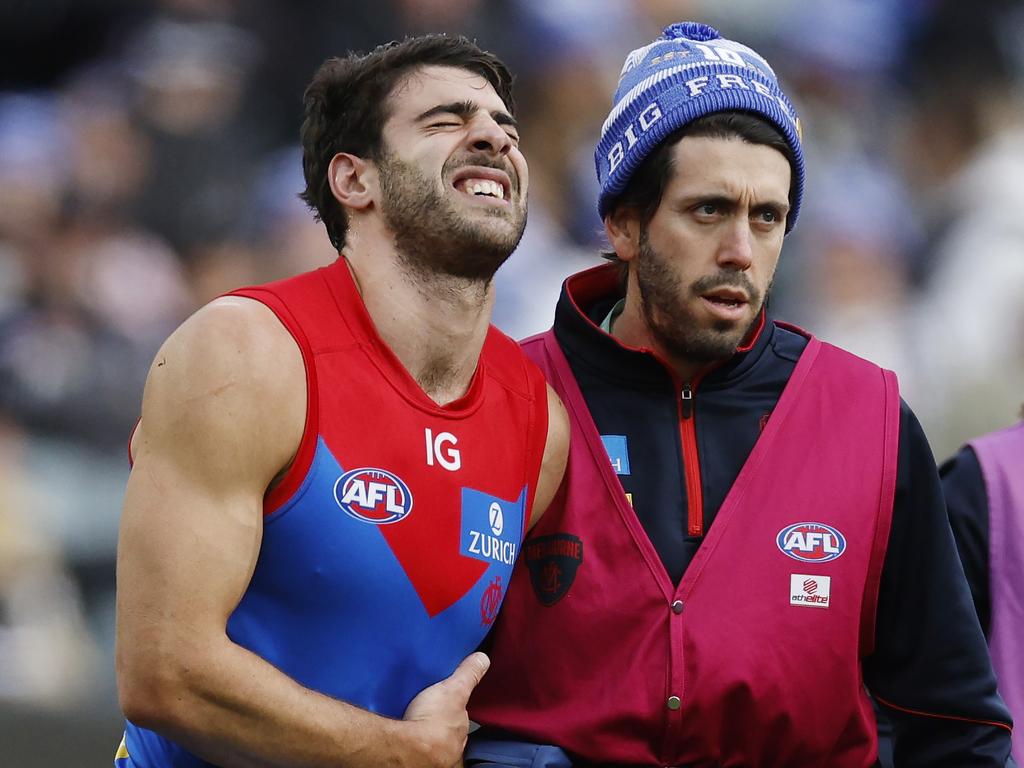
pixel 677 606
pixel 673 703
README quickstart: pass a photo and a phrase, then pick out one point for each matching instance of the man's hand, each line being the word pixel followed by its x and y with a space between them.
pixel 439 713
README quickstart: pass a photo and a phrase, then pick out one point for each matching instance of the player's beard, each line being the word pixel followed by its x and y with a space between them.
pixel 432 236
pixel 668 310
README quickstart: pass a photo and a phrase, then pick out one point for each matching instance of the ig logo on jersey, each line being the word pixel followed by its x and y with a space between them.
pixel 811 542
pixel 373 495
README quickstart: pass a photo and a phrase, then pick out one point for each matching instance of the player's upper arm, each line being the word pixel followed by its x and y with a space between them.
pixel 223 412
pixel 556 454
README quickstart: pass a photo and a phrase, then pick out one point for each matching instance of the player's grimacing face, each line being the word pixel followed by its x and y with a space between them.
pixel 706 259
pixel 453 181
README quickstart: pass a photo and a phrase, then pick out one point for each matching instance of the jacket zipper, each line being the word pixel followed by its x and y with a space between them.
pixel 691 460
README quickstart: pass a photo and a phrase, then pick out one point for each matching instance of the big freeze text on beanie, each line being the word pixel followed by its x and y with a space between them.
pixel 688 72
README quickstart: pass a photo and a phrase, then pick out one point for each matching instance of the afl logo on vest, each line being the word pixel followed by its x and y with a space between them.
pixel 373 496
pixel 811 542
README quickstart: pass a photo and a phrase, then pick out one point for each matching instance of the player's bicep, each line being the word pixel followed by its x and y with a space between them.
pixel 186 549
pixel 214 432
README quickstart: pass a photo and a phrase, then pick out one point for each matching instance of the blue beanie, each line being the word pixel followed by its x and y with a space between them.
pixel 688 72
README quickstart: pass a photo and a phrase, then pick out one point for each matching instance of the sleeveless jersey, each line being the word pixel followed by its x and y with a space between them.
pixel 388 545
pixel 1001 456
pixel 755 658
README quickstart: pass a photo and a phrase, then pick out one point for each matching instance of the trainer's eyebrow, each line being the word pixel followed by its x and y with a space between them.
pixel 465 110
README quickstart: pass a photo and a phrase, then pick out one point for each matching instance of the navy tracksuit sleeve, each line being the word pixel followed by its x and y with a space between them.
pixel 967 505
pixel 931 669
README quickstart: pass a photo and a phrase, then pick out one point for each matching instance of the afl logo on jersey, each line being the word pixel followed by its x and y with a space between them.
pixel 373 496
pixel 811 542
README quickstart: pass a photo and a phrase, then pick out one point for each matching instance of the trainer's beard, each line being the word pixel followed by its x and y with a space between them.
pixel 432 237
pixel 669 316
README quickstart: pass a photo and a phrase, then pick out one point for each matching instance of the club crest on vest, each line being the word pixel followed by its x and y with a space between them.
pixel 553 561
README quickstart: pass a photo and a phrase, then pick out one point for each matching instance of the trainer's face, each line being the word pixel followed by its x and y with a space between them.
pixel 701 267
pixel 453 181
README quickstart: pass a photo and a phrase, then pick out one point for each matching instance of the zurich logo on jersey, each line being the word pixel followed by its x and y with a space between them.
pixel 373 495
pixel 491 527
pixel 811 542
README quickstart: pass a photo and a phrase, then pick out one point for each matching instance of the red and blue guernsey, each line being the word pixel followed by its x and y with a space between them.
pixel 388 546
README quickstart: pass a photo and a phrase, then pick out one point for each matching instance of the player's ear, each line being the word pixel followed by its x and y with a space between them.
pixel 622 226
pixel 353 180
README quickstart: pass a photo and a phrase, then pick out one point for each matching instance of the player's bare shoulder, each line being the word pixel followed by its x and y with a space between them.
pixel 556 455
pixel 230 379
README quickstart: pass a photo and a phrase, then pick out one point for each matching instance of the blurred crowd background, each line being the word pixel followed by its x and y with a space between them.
pixel 149 161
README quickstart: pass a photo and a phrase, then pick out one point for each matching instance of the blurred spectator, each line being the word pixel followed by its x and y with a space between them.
pixel 42 40
pixel 564 77
pixel 558 52
pixel 283 235
pixel 47 656
pixel 965 153
pixel 851 262
pixel 34 145
pixel 191 78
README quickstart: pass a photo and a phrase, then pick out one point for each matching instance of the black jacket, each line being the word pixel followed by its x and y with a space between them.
pixel 963 485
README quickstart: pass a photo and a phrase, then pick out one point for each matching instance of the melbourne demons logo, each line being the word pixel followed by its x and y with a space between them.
pixel 491 602
pixel 373 496
pixel 811 542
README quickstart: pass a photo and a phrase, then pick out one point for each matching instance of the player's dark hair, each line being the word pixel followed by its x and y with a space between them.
pixel 347 104
pixel 649 181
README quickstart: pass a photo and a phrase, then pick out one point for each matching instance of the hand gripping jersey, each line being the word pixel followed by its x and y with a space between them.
pixel 1001 456
pixel 754 659
pixel 388 546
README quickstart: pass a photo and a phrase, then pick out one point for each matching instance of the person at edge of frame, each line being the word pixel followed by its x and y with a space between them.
pixel 983 484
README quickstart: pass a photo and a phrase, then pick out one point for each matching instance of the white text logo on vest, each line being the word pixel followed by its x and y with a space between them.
pixel 440 450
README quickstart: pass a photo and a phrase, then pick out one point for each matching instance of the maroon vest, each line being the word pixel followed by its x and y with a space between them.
pixel 755 658
pixel 1001 455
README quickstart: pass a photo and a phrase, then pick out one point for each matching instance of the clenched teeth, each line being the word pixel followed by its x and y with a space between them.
pixel 482 187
